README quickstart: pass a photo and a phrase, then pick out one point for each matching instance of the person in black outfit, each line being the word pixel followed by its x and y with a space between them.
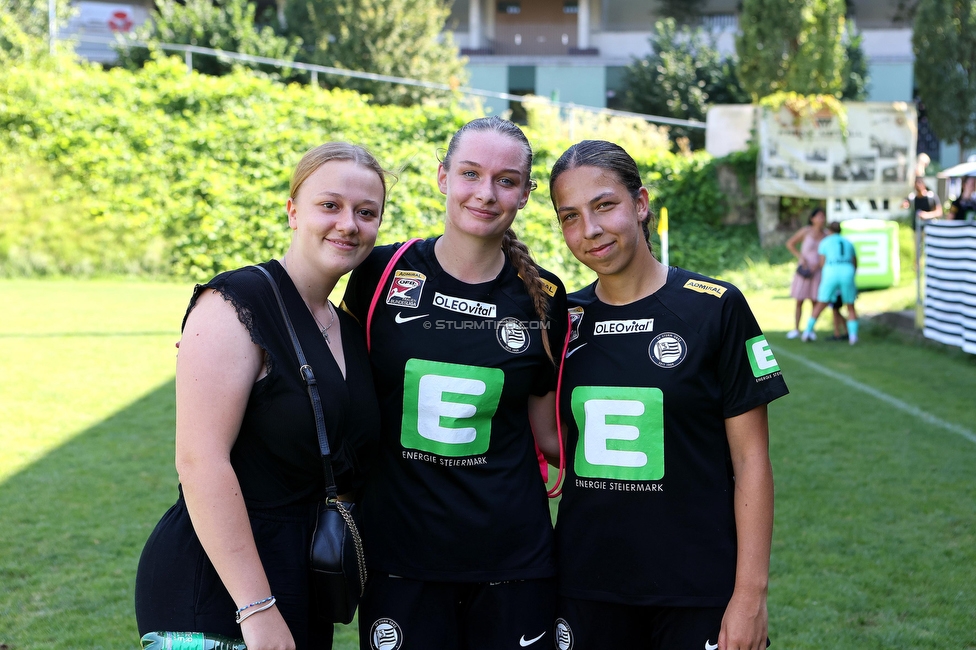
pixel 964 207
pixel 664 529
pixel 926 205
pixel 455 518
pixel 246 446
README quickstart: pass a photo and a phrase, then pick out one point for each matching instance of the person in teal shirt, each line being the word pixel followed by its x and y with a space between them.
pixel 838 262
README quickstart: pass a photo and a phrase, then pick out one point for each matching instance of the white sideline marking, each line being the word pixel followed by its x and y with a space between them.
pixel 884 397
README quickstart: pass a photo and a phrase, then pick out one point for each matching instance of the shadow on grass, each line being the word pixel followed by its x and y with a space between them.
pixel 74 524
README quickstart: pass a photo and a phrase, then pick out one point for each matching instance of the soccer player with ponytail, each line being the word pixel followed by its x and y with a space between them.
pixel 463 330
pixel 664 529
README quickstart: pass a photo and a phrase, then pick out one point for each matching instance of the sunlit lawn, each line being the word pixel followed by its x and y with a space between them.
pixel 875 540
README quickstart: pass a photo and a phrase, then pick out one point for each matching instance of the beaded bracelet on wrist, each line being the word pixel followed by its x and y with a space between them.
pixel 247 610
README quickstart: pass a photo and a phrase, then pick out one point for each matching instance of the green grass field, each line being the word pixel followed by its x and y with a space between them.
pixel 874 454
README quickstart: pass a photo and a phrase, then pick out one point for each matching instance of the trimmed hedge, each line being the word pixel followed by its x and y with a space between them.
pixel 162 172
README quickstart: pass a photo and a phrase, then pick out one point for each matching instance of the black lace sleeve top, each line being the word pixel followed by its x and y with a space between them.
pixel 276 455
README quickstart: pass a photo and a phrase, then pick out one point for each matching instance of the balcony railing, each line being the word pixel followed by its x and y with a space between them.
pixel 534 39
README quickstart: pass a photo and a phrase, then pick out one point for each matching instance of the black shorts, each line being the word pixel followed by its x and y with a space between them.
pixel 403 614
pixel 595 625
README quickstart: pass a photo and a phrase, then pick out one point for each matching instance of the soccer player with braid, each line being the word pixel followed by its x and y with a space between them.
pixel 462 338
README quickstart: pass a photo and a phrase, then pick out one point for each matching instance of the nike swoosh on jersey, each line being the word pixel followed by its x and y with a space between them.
pixel 709 646
pixel 524 643
pixel 399 318
pixel 569 353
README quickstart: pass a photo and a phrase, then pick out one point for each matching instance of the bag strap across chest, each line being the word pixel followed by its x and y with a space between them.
pixel 308 376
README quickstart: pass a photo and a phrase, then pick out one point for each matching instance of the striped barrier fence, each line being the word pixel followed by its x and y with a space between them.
pixel 950 283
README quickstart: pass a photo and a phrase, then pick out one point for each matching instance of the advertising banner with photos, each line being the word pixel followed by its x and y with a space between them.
pixel 810 157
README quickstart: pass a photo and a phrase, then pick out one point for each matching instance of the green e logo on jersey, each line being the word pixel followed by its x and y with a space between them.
pixel 447 408
pixel 621 432
pixel 761 357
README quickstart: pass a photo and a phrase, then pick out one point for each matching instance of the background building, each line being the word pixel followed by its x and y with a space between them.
pixel 577 50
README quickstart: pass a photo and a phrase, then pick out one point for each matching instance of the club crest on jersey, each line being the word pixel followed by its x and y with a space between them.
pixel 667 350
pixel 464 306
pixel 575 318
pixel 406 289
pixel 512 335
pixel 630 326
pixel 564 635
pixel 385 635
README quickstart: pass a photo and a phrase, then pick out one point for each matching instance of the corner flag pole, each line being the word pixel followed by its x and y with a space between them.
pixel 662 231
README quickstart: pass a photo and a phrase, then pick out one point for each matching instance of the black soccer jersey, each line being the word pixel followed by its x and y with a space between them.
pixel 456 494
pixel 646 516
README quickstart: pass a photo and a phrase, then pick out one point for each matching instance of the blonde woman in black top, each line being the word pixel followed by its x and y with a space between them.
pixel 455 517
pixel 235 545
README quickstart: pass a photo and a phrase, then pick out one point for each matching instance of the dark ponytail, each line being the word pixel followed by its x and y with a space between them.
pixel 607 156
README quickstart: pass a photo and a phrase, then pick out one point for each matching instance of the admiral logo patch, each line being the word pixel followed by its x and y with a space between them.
pixel 406 289
pixel 547 286
pixel 575 318
pixel 706 288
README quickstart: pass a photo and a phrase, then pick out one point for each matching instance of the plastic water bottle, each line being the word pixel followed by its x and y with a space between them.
pixel 190 641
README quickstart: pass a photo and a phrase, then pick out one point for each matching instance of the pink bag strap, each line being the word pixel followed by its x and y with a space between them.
pixel 557 487
pixel 381 284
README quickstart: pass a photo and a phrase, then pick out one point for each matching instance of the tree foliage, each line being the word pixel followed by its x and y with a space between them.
pixel 157 171
pixel 905 11
pixel 681 76
pixel 401 38
pixel 855 70
pixel 791 45
pixel 24 28
pixel 230 25
pixel 944 40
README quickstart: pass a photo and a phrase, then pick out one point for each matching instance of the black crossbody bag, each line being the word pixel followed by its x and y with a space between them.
pixel 336 561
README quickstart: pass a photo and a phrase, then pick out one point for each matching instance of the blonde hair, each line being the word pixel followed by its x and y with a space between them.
pixel 516 251
pixel 318 156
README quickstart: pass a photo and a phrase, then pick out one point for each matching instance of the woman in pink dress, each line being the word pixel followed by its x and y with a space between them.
pixel 805 287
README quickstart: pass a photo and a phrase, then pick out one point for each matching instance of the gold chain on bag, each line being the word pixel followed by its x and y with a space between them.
pixel 357 541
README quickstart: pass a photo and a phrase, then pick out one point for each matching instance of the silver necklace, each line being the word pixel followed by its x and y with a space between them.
pixel 323 330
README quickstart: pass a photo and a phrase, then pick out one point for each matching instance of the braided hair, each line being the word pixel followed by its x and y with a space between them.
pixel 516 251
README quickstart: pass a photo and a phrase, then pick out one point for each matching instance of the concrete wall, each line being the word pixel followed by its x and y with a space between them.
pixel 490 77
pixel 890 82
pixel 586 85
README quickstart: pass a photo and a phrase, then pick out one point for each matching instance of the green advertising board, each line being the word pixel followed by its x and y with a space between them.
pixel 876 243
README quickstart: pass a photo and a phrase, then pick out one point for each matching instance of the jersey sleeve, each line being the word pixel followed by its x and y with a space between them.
pixel 363 280
pixel 748 371
pixel 557 322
